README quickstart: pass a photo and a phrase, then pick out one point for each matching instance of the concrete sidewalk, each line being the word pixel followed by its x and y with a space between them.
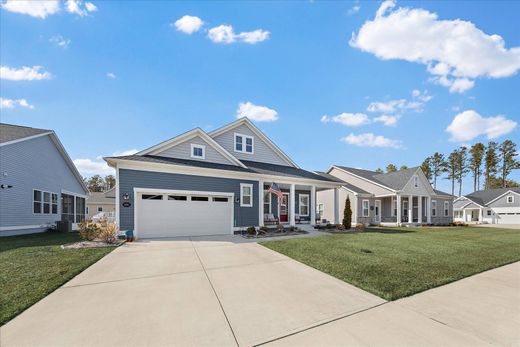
pixel 226 291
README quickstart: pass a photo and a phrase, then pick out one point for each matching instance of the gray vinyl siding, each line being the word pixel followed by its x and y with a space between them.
pixel 183 151
pixel 360 183
pixel 502 202
pixel 262 152
pixel 27 165
pixel 130 179
pixel 460 203
pixel 441 219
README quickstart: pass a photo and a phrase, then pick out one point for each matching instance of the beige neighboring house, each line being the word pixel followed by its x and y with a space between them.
pixel 397 198
pixel 102 204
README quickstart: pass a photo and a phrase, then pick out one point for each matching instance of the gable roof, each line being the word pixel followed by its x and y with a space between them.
pixel 441 193
pixel 100 198
pixel 252 167
pixel 187 136
pixel 394 180
pixel 483 197
pixel 10 133
pixel 347 185
pixel 247 122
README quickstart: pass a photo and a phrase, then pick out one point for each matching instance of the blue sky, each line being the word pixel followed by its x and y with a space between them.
pixel 114 76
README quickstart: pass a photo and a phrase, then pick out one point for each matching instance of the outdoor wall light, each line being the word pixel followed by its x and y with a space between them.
pixel 126 196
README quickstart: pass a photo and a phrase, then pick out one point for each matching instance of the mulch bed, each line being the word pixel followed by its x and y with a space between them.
pixel 274 234
pixel 92 244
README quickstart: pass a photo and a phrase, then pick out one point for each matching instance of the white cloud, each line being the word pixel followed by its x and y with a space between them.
pixel 469 124
pixel 225 34
pixel 188 24
pixel 348 119
pixel 77 7
pixel 60 41
pixel 371 140
pixel 97 166
pixel 419 99
pixel 256 113
pixel 387 119
pixel 12 103
pixel 39 9
pixel 24 73
pixel 455 52
pixel 354 9
pixel 111 75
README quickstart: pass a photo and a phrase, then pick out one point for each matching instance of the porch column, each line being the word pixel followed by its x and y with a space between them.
pixel 464 215
pixel 292 209
pixel 428 210
pixel 313 205
pixel 481 215
pixel 399 211
pixel 410 208
pixel 419 209
pixel 260 203
pixel 336 205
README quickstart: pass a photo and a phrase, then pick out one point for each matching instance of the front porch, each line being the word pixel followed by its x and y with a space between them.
pixel 399 210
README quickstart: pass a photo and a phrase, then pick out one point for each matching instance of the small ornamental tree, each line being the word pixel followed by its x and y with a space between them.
pixel 347 214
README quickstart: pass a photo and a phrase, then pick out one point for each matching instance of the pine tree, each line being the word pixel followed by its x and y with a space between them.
pixel 391 168
pixel 490 163
pixel 462 167
pixel 426 168
pixel 507 153
pixel 475 163
pixel 379 170
pixel 347 214
pixel 403 167
pixel 451 169
pixel 438 165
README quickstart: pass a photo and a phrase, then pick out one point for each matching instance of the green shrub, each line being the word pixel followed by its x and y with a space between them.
pixel 251 230
pixel 347 214
pixel 264 229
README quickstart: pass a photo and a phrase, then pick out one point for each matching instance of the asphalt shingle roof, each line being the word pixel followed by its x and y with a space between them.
pixel 395 180
pixel 345 184
pixel 252 166
pixel 482 197
pixel 10 132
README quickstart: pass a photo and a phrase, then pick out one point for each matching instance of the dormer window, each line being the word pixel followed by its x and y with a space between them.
pixel 198 151
pixel 243 143
pixel 510 199
pixel 416 181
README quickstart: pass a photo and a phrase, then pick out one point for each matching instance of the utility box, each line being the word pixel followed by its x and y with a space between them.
pixel 64 226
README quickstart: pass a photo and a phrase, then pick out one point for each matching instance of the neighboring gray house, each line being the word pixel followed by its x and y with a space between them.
pixel 202 183
pixel 39 184
pixel 401 197
pixel 493 206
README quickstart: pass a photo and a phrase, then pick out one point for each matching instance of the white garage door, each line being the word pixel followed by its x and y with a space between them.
pixel 509 218
pixel 183 214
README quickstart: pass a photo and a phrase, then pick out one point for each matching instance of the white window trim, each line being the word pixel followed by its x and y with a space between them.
pixel 242 186
pixel 300 204
pixel 50 203
pixel 244 137
pixel 434 208
pixel 322 209
pixel 512 199
pixel 270 202
pixel 394 207
pixel 446 208
pixel 363 208
pixel 100 207
pixel 405 209
pixel 193 146
pixel 416 181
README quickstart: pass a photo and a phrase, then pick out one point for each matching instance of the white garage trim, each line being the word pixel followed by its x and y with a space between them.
pixel 137 200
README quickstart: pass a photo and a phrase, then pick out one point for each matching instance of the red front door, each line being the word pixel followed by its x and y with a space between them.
pixel 284 208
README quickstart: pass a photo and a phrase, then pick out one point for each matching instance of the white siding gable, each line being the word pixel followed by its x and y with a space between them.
pixel 423 188
pixel 183 151
pixel 261 151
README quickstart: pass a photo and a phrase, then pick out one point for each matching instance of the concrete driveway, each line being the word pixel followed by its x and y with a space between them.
pixel 223 291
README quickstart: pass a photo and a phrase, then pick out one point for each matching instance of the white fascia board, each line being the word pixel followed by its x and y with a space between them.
pixel 25 139
pixel 197 171
pixel 362 178
pixel 498 197
pixel 258 132
pixel 178 191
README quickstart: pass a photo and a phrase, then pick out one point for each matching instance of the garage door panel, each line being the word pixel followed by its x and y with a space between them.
pixel 172 218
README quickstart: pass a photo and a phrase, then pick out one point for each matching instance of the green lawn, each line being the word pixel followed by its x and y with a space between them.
pixel 397 262
pixel 32 266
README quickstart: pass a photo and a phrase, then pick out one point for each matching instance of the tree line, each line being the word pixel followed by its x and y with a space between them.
pixel 494 163
pixel 97 183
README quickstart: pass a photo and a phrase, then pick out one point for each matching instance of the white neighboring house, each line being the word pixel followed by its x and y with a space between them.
pixel 102 204
pixel 493 206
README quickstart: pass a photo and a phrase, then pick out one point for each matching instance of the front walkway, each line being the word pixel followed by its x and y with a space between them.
pixel 227 291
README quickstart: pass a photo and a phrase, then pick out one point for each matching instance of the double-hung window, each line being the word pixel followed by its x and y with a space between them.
pixel 198 151
pixel 267 201
pixel 416 181
pixel 37 201
pixel 394 209
pixel 365 208
pixel 243 143
pixel 45 202
pixel 54 203
pixel 246 195
pixel 303 207
pixel 446 208
pixel 434 208
pixel 510 199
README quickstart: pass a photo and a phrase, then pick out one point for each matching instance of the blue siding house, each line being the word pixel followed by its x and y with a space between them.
pixel 39 184
pixel 208 183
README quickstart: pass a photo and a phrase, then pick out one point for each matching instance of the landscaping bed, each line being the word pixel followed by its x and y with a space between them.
pixel 32 266
pixel 397 262
pixel 92 244
pixel 264 232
